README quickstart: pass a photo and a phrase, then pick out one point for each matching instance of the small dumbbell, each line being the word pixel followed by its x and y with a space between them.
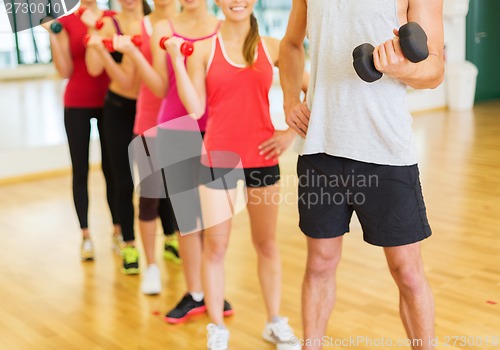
pixel 56 27
pixel 187 47
pixel 413 42
pixel 108 42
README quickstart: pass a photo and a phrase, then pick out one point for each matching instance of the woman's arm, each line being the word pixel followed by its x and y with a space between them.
pixel 156 77
pixel 191 80
pixel 282 139
pixel 61 54
pixel 96 50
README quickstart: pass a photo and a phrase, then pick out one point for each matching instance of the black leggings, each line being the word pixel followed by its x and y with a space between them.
pixel 153 201
pixel 118 125
pixel 77 125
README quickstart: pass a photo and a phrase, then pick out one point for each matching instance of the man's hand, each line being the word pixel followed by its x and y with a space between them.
pixel 389 58
pixel 297 117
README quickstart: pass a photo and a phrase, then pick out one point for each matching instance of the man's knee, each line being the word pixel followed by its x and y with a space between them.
pixel 409 277
pixel 319 264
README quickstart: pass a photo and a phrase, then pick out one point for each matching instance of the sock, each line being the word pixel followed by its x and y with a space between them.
pixel 276 319
pixel 197 296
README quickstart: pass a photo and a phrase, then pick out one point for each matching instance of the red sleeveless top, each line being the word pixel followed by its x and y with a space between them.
pixel 238 104
pixel 82 90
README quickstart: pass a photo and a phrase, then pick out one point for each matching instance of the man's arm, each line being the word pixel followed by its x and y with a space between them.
pixel 291 65
pixel 389 59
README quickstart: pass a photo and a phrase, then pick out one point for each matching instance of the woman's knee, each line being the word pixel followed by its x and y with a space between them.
pixel 214 249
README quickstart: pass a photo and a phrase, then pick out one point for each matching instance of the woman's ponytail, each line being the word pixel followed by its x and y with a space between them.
pixel 252 41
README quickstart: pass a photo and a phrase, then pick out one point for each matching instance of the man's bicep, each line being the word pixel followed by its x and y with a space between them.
pixel 297 23
pixel 429 14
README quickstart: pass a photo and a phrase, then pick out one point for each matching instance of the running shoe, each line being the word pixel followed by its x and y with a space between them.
pixel 151 281
pixel 186 308
pixel 87 250
pixel 280 333
pixel 130 257
pixel 218 337
pixel 171 249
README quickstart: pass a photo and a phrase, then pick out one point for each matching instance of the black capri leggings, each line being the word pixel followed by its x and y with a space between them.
pixel 153 200
pixel 118 125
pixel 77 125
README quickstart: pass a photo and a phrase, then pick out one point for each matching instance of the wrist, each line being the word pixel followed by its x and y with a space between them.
pixel 178 63
pixel 291 103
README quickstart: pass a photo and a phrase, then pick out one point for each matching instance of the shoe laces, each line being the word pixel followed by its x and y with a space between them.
pixel 186 303
pixel 130 254
pixel 282 330
pixel 217 337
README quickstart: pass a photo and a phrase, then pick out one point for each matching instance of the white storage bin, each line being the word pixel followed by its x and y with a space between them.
pixel 461 85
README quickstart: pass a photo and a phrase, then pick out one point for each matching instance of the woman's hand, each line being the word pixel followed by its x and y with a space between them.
pixel 89 18
pixel 277 144
pixel 46 25
pixel 123 44
pixel 173 46
pixel 95 41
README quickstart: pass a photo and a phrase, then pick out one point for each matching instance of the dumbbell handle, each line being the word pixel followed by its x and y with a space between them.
pixel 187 47
pixel 108 42
pixel 413 41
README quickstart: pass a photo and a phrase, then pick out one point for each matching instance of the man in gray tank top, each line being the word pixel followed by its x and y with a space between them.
pixel 357 152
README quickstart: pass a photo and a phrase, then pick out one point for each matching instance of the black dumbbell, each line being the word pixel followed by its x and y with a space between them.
pixel 55 27
pixel 413 42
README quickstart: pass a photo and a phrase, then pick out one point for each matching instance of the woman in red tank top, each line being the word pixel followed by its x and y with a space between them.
pixel 194 23
pixel 152 201
pixel 83 100
pixel 232 75
pixel 118 120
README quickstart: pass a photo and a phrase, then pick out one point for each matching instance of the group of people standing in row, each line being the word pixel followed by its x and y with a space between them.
pixel 346 127
pixel 133 89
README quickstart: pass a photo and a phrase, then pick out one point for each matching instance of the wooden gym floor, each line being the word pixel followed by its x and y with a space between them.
pixel 50 300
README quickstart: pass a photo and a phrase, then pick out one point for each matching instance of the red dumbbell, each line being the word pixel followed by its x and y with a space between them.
pixel 108 42
pixel 80 11
pixel 187 47
pixel 100 22
pixel 86 39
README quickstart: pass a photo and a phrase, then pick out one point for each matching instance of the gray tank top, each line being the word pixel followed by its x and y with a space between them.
pixel 350 118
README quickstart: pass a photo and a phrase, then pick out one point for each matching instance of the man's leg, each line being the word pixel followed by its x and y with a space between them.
pixel 415 295
pixel 319 288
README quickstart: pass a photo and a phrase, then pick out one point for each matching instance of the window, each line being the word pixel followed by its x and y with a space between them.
pixel 29 46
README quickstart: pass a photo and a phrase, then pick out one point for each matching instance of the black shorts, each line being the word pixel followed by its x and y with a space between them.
pixel 387 200
pixel 253 177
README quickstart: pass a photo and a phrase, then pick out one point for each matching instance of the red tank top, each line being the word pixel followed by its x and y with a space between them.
pixel 238 104
pixel 82 90
pixel 148 104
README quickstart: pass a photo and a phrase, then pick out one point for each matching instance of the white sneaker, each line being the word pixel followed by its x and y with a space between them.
pixel 87 250
pixel 151 281
pixel 218 337
pixel 280 333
